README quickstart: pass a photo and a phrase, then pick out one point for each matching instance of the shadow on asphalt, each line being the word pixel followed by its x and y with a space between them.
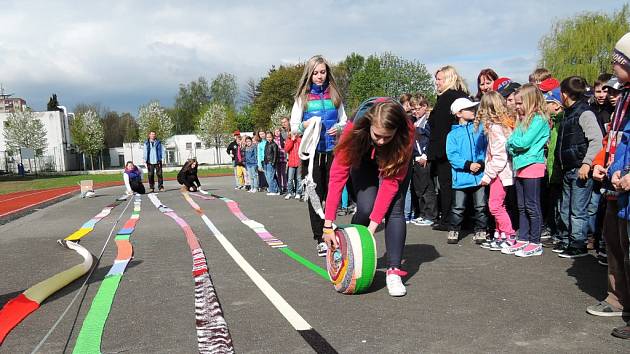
pixel 413 257
pixel 4 298
pixel 590 277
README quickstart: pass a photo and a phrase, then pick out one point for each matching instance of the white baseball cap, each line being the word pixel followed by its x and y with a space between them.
pixel 462 103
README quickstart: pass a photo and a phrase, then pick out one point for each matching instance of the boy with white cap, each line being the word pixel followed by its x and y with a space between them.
pixel 466 151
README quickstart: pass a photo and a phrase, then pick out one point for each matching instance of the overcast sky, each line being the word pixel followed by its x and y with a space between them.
pixel 122 54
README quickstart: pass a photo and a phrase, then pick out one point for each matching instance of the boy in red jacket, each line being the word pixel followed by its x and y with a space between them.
pixel 294 183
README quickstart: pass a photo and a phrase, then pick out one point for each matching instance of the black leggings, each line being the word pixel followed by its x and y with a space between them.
pixel 365 183
pixel 189 182
pixel 321 171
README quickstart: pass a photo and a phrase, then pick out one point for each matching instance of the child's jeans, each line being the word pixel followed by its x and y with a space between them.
pixel 458 207
pixel 295 180
pixel 252 171
pixel 496 203
pixel 270 174
pixel 576 194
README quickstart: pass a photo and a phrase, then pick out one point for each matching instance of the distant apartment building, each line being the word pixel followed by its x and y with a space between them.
pixel 12 104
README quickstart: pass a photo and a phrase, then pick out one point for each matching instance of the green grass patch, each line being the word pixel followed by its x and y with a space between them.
pixel 10 184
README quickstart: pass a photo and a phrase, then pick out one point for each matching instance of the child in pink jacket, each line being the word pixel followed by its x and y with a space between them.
pixel 498 173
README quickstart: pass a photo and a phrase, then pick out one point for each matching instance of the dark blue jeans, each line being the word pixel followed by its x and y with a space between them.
pixel 458 207
pixel 270 174
pixel 529 211
pixel 576 195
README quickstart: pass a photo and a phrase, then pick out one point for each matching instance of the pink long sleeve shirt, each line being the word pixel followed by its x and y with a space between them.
pixel 340 172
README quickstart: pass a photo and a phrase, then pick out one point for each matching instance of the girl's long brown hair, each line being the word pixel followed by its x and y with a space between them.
pixel 391 157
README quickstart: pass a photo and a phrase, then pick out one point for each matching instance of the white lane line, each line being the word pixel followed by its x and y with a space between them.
pixel 276 299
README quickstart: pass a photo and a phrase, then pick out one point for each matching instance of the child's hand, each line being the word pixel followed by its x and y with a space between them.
pixel 474 167
pixel 583 171
pixel 599 173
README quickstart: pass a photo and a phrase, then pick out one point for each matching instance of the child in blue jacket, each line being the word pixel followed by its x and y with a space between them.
pixel 251 163
pixel 466 151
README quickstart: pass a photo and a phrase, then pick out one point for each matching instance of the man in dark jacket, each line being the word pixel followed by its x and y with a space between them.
pixel 153 161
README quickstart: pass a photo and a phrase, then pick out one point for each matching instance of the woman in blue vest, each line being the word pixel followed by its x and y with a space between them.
pixel 318 96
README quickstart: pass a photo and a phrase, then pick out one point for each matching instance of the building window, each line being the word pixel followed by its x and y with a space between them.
pixel 188 146
pixel 197 145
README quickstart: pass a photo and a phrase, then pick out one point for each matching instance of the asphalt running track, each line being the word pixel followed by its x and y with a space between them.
pixel 460 298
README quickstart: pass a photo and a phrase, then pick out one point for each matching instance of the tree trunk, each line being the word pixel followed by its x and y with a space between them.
pixel 92 161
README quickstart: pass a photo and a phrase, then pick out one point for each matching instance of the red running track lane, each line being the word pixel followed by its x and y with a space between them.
pixel 11 203
pixel 14 202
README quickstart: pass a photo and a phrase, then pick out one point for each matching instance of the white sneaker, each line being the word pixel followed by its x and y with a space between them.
pixel 271 193
pixel 253 190
pixel 297 196
pixel 322 248
pixel 288 196
pixel 395 286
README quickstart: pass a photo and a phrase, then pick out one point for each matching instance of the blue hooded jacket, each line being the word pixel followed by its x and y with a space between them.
pixel 464 146
pixel 251 156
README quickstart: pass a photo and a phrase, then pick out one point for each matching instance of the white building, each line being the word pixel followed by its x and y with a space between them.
pixel 177 149
pixel 59 154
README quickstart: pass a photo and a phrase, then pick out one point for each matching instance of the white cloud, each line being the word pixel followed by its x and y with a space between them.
pixel 124 53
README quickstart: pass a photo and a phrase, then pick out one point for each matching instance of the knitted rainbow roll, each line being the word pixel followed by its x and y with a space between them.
pixel 351 267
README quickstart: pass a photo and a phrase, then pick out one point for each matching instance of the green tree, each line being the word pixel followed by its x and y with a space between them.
pixel 52 103
pixel 582 45
pixel 344 72
pixel 277 88
pixel 212 128
pixel 251 92
pixel 224 90
pixel 153 117
pixel 189 103
pixel 130 128
pixel 87 133
pixel 366 83
pixel 113 129
pixel 388 75
pixel 22 129
pixel 243 120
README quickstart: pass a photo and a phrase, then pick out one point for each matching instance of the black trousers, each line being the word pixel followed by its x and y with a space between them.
pixel 321 173
pixel 365 182
pixel 425 191
pixel 155 169
pixel 189 182
pixel 442 170
pixel 137 186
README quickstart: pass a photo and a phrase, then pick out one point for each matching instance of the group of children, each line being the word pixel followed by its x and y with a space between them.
pixel 268 160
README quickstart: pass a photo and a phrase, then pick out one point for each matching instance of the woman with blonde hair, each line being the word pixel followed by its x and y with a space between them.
pixel 375 150
pixel 317 96
pixel 450 86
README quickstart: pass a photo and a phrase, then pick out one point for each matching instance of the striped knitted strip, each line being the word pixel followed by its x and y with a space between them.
pixel 268 238
pixel 91 333
pixel 18 308
pixel 213 335
pixel 89 225
pixel 318 343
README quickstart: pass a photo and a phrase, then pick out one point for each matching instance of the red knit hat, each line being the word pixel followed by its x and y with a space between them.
pixel 237 133
pixel 548 84
pixel 500 83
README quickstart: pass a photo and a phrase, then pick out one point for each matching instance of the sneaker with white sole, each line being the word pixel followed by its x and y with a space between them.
pixel 297 196
pixel 517 246
pixel 422 222
pixel 453 237
pixel 288 196
pixel 532 249
pixel 479 237
pixel 604 309
pixel 489 240
pixel 395 286
pixel 272 193
pixel 322 248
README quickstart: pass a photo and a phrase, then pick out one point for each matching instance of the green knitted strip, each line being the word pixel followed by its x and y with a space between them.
pixel 90 336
